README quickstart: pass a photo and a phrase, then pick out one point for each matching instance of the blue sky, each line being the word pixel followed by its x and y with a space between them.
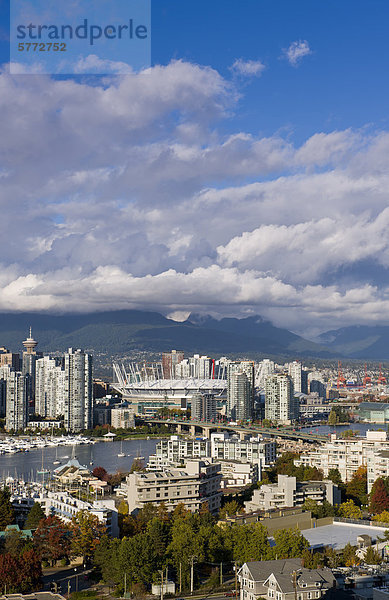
pixel 246 172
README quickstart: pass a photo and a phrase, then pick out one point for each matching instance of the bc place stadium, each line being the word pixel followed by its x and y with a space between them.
pixel 149 387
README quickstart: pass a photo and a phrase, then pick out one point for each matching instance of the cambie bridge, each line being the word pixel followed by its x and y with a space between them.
pixel 205 429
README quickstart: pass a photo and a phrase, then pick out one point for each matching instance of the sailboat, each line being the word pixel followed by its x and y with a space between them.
pixel 56 461
pixel 121 453
pixel 43 471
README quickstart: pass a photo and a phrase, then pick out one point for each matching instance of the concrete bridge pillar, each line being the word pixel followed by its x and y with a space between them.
pixel 193 430
pixel 242 435
pixel 179 428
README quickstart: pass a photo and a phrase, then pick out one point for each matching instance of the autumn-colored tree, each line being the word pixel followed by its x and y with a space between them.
pixel 87 531
pixel 101 474
pixel 382 517
pixel 356 488
pixel 52 539
pixel 349 510
pixel 20 574
pixel 379 497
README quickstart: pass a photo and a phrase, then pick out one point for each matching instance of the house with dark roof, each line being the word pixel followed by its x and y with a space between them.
pixel 284 580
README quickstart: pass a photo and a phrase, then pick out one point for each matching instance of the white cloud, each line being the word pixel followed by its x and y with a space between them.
pixel 126 194
pixel 296 52
pixel 247 68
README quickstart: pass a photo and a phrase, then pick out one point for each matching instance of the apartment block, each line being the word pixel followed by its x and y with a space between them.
pixel 288 492
pixel 346 455
pixel 193 485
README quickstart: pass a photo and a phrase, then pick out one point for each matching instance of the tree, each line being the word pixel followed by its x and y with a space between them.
pixel 14 542
pixel 372 557
pixel 20 574
pixel 230 509
pixel 349 510
pixel 333 418
pixel 349 555
pixel 52 539
pixel 290 543
pixel 335 476
pixel 87 530
pixel 7 514
pixel 356 488
pixel 35 515
pixel 100 473
pixel 379 497
pixel 382 517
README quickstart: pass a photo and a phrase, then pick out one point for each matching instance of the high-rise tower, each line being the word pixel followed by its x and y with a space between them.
pixel 78 390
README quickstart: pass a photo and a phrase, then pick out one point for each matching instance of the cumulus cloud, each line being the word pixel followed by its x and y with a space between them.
pixel 126 195
pixel 247 68
pixel 296 52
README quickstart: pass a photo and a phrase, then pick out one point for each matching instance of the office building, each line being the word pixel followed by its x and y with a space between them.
pixel 281 406
pixel 9 358
pixel 78 390
pixel 169 362
pixel 199 367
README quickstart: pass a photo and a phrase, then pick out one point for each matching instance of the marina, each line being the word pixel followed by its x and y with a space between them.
pixel 26 465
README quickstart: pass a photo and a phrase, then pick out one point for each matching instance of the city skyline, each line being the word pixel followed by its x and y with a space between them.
pixel 244 173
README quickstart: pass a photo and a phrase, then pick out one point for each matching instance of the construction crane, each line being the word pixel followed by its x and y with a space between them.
pixel 366 379
pixel 381 379
pixel 341 383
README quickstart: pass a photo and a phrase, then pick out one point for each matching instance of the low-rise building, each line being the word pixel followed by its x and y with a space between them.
pixel 238 474
pixel 193 485
pixel 346 455
pixel 65 506
pixel 377 466
pixel 290 492
pixel 283 580
pixel 251 449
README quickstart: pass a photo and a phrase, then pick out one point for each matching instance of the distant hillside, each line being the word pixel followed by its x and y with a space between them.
pixel 118 332
pixel 359 341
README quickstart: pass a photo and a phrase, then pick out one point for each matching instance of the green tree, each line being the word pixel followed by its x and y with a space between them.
pixel 290 543
pixel 349 556
pixel 333 418
pixel 230 509
pixel 349 510
pixel 34 516
pixel 6 511
pixel 87 531
pixel 250 542
pixel 335 476
pixel 372 557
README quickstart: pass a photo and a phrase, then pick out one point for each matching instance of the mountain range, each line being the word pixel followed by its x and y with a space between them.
pixel 119 332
